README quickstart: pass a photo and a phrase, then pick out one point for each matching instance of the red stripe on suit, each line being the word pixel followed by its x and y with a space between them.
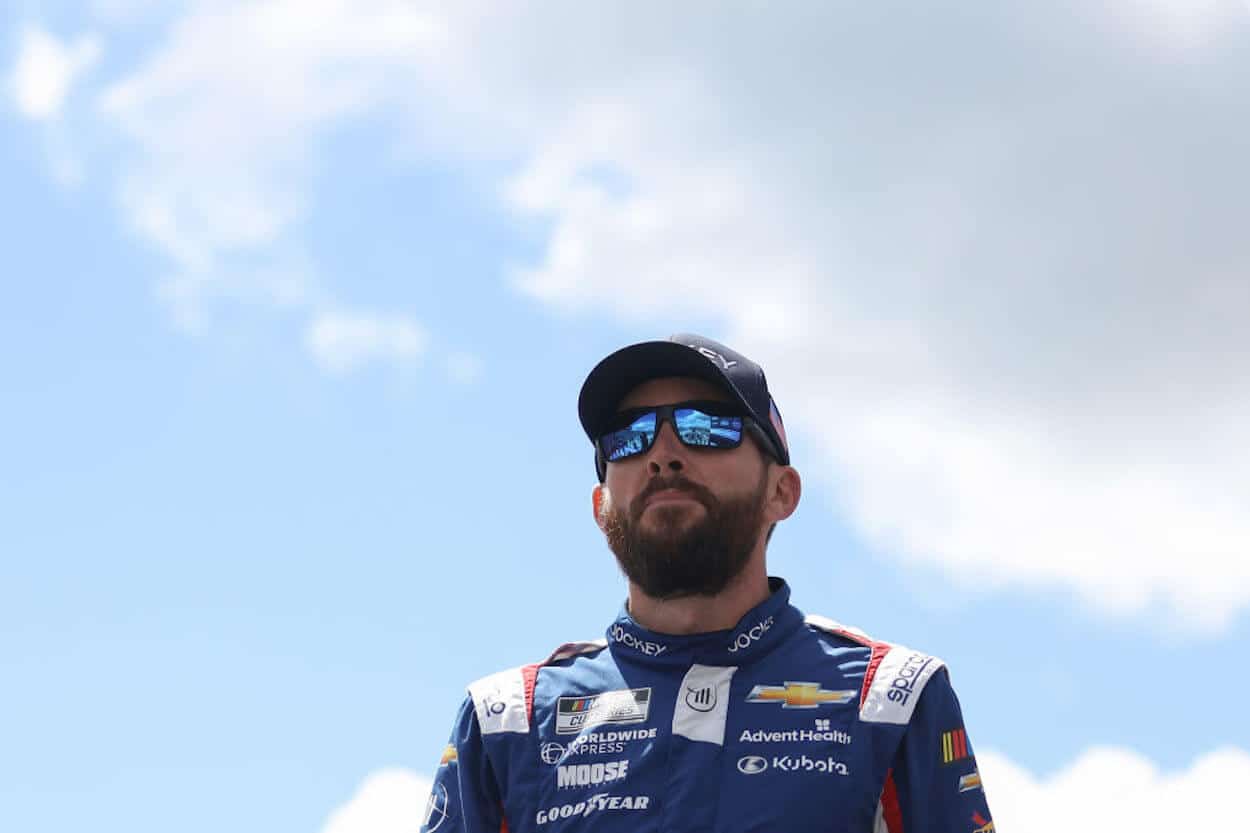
pixel 891 812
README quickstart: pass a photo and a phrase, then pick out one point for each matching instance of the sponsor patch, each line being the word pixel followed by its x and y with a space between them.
pixel 983 825
pixel 629 705
pixel 449 755
pixel 642 646
pixel 797 695
pixel 802 763
pixel 591 775
pixel 701 711
pixel 795 736
pixel 596 743
pixel 500 702
pixel 752 764
pixel 896 685
pixel 971 781
pixel 701 699
pixel 755 764
pixel 903 683
pixel 595 804
pixel 955 746
pixel 436 809
pixel 748 637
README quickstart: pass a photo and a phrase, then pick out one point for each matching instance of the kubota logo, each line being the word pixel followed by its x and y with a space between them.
pixel 752 764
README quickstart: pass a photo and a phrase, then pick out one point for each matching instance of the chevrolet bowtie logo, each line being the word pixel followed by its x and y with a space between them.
pixel 799 695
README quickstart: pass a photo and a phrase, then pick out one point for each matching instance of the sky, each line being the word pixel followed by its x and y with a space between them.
pixel 297 297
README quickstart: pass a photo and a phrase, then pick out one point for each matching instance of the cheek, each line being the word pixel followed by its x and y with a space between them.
pixel 621 482
pixel 623 487
pixel 729 469
pixel 738 478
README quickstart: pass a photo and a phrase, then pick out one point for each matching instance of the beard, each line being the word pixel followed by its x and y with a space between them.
pixel 676 557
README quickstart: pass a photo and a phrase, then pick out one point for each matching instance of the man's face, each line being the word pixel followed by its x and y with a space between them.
pixel 683 521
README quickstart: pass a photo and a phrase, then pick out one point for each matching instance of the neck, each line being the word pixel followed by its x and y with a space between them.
pixel 703 614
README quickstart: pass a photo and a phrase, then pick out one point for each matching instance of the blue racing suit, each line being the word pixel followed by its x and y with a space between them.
pixel 783 724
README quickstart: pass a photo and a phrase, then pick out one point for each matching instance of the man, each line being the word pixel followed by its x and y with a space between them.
pixel 713 704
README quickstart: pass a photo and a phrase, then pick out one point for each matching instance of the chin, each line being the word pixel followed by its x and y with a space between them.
pixel 670 514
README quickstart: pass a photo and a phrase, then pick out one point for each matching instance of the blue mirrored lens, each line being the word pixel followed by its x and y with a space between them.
pixel 695 427
pixel 633 439
pixel 704 430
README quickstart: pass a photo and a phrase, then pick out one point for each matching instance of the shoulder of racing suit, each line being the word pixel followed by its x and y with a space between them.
pixel 894 678
pixel 504 701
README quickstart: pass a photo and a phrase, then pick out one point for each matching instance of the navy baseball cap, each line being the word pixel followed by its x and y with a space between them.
pixel 684 354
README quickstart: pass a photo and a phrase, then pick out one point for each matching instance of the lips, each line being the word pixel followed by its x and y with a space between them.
pixel 670 496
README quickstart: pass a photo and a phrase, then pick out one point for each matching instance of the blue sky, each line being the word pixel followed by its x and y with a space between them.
pixel 292 341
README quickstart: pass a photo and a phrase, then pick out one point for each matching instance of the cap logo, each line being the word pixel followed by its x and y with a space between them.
pixel 712 355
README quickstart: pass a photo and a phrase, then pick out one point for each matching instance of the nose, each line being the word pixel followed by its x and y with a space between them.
pixel 667 452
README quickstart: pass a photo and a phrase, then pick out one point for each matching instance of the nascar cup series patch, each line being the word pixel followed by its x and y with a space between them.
pixel 628 705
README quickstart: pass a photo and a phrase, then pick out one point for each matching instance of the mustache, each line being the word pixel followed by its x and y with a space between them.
pixel 677 483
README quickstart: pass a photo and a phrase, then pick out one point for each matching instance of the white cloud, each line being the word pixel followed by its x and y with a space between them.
pixel 1003 304
pixel 1180 24
pixel 994 263
pixel 225 128
pixel 1117 789
pixel 343 341
pixel 45 70
pixel 224 123
pixel 387 801
pixel 124 11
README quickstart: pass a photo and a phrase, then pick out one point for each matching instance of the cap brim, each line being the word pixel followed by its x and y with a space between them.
pixel 629 367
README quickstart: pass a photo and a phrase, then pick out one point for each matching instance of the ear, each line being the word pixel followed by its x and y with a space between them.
pixel 783 498
pixel 601 499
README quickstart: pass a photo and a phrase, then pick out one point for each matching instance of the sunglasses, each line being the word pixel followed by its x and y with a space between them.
pixel 698 424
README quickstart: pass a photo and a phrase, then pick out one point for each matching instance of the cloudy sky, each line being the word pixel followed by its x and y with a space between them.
pixel 298 295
